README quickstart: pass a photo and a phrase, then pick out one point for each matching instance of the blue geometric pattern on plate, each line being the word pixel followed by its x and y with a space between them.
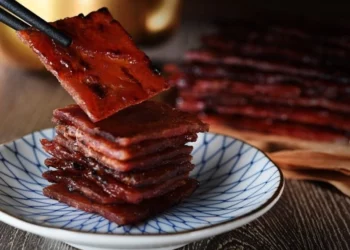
pixel 235 179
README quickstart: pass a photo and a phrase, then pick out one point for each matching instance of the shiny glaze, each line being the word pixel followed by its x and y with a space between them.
pixel 145 162
pixel 122 213
pixel 276 127
pixel 112 150
pixel 108 190
pixel 102 69
pixel 146 121
pixel 133 179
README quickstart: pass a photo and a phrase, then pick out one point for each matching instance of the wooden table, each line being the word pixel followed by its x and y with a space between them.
pixel 308 216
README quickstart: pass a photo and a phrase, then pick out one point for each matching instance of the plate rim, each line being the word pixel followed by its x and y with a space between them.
pixel 110 239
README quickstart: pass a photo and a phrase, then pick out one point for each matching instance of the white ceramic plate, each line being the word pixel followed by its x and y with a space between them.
pixel 238 183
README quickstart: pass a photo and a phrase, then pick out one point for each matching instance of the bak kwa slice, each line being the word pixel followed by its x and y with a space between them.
pixel 102 69
pixel 110 149
pixel 203 100
pixel 122 214
pixel 66 159
pixel 133 178
pixel 149 120
pixel 109 191
pixel 275 127
pixel 146 162
pixel 87 188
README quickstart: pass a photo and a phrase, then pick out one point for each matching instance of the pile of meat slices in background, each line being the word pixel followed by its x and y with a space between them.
pixel 289 80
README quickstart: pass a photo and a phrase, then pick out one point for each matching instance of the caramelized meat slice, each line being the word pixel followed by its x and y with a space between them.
pixel 109 149
pixel 283 128
pixel 86 187
pixel 102 69
pixel 196 102
pixel 236 79
pixel 122 214
pixel 62 153
pixel 146 121
pixel 308 35
pixel 289 53
pixel 313 116
pixel 145 162
pixel 228 42
pixel 109 191
pixel 301 115
pixel 267 64
pixel 133 178
pixel 202 86
pixel 79 162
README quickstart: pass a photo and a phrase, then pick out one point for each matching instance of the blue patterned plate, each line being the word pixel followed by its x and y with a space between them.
pixel 238 184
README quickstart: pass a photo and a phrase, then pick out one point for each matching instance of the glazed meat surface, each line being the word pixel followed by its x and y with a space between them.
pixel 200 100
pixel 108 190
pixel 305 115
pixel 110 149
pixel 267 63
pixel 146 121
pixel 133 178
pixel 146 162
pixel 237 79
pixel 122 214
pixel 270 126
pixel 102 69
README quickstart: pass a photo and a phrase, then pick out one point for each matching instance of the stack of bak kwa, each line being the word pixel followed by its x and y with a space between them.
pixel 273 78
pixel 115 153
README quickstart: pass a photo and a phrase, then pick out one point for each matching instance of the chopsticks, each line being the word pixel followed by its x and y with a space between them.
pixel 12 21
pixel 32 19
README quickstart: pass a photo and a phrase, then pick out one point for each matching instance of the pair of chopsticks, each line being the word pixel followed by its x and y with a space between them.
pixel 15 8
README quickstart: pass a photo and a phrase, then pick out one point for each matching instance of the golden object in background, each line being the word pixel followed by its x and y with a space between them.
pixel 148 21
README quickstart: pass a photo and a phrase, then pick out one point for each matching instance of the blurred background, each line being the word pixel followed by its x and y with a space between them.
pixel 164 28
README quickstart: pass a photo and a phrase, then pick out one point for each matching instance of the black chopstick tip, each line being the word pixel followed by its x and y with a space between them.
pixel 34 20
pixel 67 42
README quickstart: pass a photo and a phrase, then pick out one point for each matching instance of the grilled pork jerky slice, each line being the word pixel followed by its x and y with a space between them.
pixel 145 162
pixel 79 161
pixel 61 152
pixel 122 214
pixel 293 54
pixel 266 64
pixel 275 127
pixel 228 42
pixel 236 87
pixel 109 149
pixel 313 116
pixel 64 158
pixel 146 121
pixel 207 100
pixel 102 69
pixel 290 35
pixel 111 191
pixel 86 187
pixel 301 115
pixel 133 178
pixel 209 77
pixel 73 167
